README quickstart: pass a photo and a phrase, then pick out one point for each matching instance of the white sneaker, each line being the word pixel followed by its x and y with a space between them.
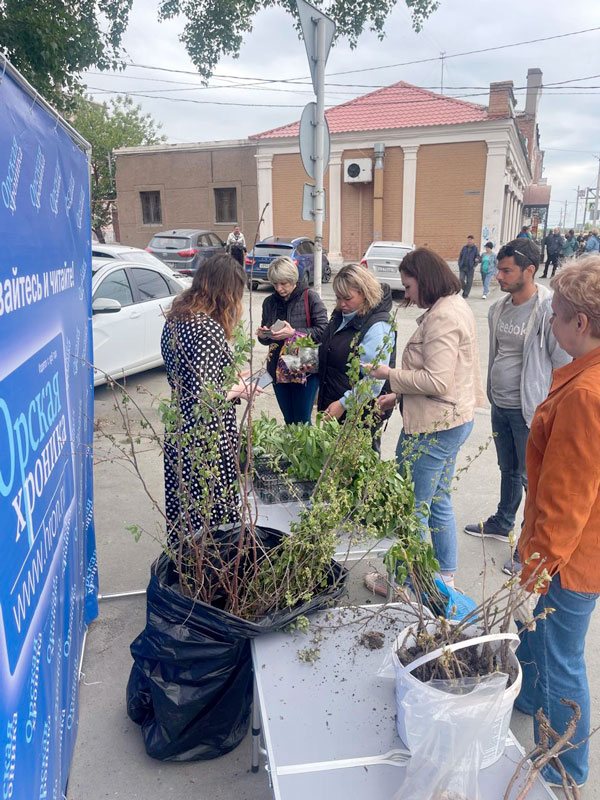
pixel 484 296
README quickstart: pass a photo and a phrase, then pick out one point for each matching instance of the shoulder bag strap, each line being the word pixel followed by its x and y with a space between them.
pixel 307 308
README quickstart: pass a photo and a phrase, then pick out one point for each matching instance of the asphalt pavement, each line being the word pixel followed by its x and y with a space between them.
pixel 110 761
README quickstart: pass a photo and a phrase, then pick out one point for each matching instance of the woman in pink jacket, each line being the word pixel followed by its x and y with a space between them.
pixel 437 387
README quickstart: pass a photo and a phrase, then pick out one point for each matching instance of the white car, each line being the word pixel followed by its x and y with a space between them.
pixel 383 260
pixel 123 252
pixel 129 301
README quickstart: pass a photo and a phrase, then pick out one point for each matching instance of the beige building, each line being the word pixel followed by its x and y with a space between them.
pixel 447 168
pixel 406 164
pixel 211 185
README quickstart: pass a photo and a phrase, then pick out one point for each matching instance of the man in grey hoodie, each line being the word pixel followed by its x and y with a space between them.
pixel 523 354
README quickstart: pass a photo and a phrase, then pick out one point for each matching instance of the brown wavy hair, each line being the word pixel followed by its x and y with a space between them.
pixel 216 291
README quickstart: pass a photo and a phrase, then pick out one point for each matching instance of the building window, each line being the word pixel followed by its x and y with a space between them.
pixel 151 209
pixel 225 205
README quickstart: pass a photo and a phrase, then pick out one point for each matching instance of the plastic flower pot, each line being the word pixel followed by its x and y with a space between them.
pixel 495 742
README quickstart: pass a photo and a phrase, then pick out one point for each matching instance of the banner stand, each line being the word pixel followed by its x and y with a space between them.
pixel 48 570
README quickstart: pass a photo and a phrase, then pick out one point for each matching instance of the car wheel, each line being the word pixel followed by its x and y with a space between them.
pixel 253 285
pixel 326 277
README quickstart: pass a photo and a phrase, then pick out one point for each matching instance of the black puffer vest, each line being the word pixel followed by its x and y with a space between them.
pixel 336 349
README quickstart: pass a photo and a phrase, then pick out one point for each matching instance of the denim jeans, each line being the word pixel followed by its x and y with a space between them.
pixel 510 437
pixel 466 279
pixel 486 277
pixel 296 401
pixel 430 458
pixel 552 658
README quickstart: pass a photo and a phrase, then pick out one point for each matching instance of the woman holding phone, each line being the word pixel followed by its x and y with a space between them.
pixel 293 309
pixel 197 357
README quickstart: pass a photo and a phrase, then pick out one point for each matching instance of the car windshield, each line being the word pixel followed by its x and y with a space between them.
pixel 170 242
pixel 387 252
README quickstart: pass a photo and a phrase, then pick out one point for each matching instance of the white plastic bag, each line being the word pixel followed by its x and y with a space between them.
pixel 446 732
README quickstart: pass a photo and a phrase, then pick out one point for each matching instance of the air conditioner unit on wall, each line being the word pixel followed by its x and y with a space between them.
pixel 358 170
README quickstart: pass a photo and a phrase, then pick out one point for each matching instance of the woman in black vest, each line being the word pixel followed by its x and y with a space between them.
pixel 361 317
pixel 303 312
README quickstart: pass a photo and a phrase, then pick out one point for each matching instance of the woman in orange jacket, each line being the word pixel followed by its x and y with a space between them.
pixel 562 518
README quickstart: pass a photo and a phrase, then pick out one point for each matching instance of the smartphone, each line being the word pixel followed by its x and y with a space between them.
pixel 263 380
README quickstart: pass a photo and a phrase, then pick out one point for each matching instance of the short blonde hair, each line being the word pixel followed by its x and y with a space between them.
pixel 578 290
pixel 282 270
pixel 358 279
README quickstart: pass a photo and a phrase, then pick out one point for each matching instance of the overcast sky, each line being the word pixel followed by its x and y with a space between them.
pixel 569 118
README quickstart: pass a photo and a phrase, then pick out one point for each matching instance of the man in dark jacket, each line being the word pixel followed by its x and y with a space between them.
pixel 553 242
pixel 466 264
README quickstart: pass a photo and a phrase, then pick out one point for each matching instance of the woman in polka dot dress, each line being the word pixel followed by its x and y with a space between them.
pixel 200 448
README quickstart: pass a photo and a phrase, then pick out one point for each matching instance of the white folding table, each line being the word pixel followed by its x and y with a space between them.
pixel 337 708
pixel 281 515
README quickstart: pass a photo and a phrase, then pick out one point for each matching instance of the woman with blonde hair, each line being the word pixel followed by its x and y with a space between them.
pixel 362 318
pixel 197 356
pixel 561 532
pixel 438 387
pixel 304 314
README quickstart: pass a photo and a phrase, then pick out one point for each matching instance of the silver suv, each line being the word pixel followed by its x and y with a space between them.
pixel 186 248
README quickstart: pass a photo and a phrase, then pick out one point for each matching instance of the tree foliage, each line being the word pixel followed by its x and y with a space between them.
pixel 51 41
pixel 215 28
pixel 108 126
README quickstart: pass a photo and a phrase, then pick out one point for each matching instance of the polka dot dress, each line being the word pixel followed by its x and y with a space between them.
pixel 200 449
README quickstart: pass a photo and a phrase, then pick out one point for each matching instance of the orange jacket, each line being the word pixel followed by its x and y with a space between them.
pixel 562 510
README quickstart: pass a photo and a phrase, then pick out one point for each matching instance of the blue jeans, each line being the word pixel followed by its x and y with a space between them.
pixel 510 437
pixel 295 400
pixel 431 458
pixel 486 277
pixel 552 658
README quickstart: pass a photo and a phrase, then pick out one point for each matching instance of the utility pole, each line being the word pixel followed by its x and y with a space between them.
pixel 576 210
pixel 565 216
pixel 442 55
pixel 597 193
pixel 319 153
pixel 318 31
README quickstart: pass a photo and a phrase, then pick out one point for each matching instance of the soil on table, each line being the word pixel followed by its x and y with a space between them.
pixel 372 640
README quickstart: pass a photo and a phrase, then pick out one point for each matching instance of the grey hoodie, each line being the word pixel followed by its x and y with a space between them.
pixel 541 352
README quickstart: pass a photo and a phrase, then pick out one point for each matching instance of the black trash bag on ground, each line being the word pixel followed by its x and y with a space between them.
pixel 190 687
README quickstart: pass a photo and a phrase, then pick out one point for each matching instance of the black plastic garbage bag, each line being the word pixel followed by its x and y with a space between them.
pixel 190 686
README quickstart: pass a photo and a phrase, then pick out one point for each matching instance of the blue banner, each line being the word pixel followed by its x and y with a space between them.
pixel 48 580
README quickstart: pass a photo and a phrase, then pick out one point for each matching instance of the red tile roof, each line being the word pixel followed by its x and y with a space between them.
pixel 401 105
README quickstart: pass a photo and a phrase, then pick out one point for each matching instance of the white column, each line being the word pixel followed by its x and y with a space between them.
pixel 409 189
pixel 514 229
pixel 335 209
pixel 493 194
pixel 264 180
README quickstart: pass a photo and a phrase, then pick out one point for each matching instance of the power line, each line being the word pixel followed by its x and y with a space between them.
pixel 195 86
pixel 469 52
pixel 363 104
pixel 372 69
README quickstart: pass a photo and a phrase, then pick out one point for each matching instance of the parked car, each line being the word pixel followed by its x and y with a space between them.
pixel 301 250
pixel 383 260
pixel 128 304
pixel 123 252
pixel 185 249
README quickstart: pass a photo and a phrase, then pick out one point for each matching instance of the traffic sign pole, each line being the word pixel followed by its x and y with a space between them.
pixel 321 58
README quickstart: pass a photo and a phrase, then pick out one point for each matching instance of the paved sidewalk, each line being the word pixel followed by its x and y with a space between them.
pixel 110 761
